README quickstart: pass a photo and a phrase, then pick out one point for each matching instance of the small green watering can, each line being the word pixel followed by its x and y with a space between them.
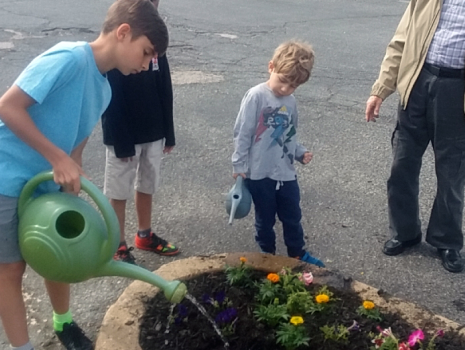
pixel 64 239
pixel 238 200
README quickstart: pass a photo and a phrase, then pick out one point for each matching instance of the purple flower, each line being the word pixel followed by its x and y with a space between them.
pixel 182 310
pixel 440 333
pixel 226 316
pixel 206 299
pixel 182 314
pixel 415 337
pixel 220 296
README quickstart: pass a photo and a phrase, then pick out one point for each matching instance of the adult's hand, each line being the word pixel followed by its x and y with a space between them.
pixel 372 109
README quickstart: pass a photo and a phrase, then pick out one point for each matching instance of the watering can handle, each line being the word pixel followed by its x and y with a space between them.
pixel 97 196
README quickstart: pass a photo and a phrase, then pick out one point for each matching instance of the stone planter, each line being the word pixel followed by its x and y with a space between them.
pixel 120 327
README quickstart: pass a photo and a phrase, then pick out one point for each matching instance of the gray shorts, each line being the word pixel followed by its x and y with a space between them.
pixel 9 245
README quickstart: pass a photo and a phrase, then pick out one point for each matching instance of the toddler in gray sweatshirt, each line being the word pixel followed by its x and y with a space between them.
pixel 266 149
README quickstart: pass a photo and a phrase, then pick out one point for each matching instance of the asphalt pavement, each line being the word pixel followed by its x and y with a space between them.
pixel 218 51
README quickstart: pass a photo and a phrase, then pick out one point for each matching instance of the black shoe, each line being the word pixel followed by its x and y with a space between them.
pixel 73 338
pixel 395 247
pixel 451 260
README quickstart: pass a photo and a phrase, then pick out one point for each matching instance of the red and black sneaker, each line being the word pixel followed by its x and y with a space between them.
pixel 124 254
pixel 156 244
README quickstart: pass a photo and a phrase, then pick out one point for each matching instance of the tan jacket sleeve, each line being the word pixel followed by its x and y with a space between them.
pixel 386 83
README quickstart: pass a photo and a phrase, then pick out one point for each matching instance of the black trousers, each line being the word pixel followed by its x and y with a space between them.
pixel 434 113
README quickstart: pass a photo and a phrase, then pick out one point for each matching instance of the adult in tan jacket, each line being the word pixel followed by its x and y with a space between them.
pixel 425 62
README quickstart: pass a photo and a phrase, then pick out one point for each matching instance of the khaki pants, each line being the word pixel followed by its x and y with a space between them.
pixel 141 173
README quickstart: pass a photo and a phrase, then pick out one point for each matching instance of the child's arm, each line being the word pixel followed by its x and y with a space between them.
pixel 13 112
pixel 244 132
pixel 302 155
pixel 76 154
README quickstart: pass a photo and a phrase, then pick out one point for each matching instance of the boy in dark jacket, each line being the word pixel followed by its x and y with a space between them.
pixel 137 130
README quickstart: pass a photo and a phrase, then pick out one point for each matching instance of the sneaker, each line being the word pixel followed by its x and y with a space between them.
pixel 156 244
pixel 124 254
pixel 311 260
pixel 73 338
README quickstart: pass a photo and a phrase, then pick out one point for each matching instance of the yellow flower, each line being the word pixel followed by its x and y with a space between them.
pixel 242 259
pixel 273 277
pixel 296 320
pixel 322 298
pixel 368 305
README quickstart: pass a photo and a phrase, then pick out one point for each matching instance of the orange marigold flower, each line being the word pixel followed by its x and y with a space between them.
pixel 368 305
pixel 273 277
pixel 242 259
pixel 322 298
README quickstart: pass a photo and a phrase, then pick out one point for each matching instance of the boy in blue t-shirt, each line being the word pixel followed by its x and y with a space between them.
pixel 45 120
pixel 266 149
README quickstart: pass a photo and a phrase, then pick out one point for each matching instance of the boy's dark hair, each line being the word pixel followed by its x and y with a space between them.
pixel 143 19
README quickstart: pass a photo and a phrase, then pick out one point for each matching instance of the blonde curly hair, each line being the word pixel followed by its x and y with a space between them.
pixel 294 59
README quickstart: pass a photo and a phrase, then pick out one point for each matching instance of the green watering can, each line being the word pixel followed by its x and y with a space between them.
pixel 64 239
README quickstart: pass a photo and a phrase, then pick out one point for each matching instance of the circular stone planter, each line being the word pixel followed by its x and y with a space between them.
pixel 120 327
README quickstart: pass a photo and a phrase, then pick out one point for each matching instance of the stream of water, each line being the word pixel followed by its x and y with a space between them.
pixel 212 321
pixel 170 317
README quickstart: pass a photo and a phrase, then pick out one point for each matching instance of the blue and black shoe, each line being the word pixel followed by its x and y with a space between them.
pixel 311 260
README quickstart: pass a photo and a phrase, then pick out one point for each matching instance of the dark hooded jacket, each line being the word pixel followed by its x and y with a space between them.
pixel 141 109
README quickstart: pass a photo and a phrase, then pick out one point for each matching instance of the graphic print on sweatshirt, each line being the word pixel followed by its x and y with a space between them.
pixel 279 121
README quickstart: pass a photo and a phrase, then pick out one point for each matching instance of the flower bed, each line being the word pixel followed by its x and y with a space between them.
pixel 285 310
pixel 121 327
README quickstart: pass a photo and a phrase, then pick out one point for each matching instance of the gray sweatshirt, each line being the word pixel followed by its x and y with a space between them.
pixel 265 139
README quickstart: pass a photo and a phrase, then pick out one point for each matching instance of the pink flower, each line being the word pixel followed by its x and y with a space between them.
pixel 307 278
pixel 440 333
pixel 378 342
pixel 415 337
pixel 403 346
pixel 387 332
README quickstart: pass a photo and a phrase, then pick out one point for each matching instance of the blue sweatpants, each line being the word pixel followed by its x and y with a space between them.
pixel 272 197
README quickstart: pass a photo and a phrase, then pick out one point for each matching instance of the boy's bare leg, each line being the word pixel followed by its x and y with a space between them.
pixel 145 239
pixel 144 210
pixel 12 308
pixel 120 209
pixel 59 294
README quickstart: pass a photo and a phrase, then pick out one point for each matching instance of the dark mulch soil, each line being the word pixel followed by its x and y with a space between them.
pixel 198 333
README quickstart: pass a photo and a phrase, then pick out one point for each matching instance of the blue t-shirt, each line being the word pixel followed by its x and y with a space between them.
pixel 71 95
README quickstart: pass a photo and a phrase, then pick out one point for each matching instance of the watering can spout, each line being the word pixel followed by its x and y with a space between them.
pixel 234 205
pixel 174 291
